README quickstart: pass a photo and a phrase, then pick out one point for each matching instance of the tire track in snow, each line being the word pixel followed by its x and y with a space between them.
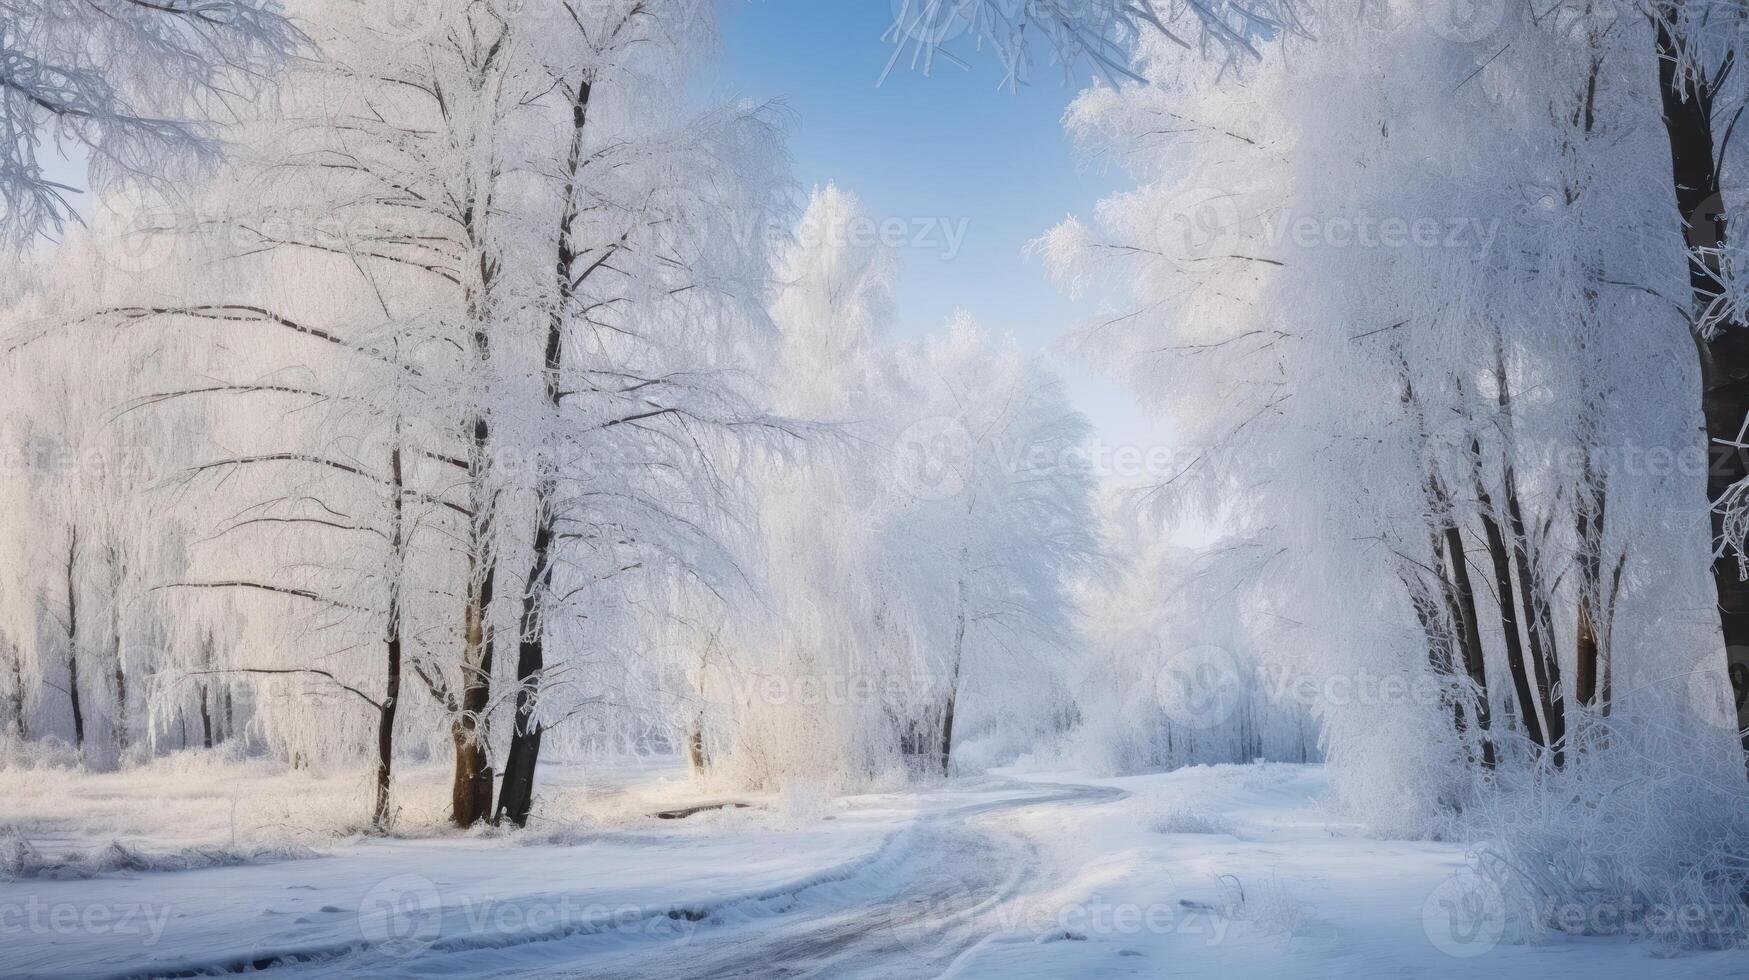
pixel 953 874
pixel 908 909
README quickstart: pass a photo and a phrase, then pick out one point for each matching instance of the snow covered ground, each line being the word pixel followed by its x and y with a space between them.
pixel 1229 871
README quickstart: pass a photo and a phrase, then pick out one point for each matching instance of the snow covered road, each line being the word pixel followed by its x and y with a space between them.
pixel 1231 871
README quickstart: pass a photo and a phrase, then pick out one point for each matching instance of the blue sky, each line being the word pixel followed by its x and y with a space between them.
pixel 953 148
pixel 950 147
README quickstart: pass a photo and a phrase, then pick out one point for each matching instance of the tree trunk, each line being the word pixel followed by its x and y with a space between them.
pixel 1528 697
pixel 1533 602
pixel 73 639
pixel 119 677
pixel 382 812
pixel 121 700
pixel 1720 338
pixel 1452 566
pixel 206 720
pixel 517 796
pixel 1545 657
pixel 695 755
pixel 1589 517
pixel 471 792
pixel 19 727
pixel 953 685
pixel 1462 600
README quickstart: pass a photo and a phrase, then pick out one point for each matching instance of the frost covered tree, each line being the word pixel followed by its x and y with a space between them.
pixel 654 315
pixel 1100 34
pixel 1404 393
pixel 130 83
pixel 1003 521
pixel 520 394
pixel 1696 45
pixel 807 684
pixel 81 473
pixel 364 397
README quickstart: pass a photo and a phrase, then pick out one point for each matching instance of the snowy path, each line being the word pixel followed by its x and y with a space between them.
pixel 913 920
pixel 1236 871
pixel 880 875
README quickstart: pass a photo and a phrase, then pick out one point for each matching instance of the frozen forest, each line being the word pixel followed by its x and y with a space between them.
pixel 874 488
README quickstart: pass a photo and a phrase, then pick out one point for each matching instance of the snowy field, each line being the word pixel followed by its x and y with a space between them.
pixel 1226 870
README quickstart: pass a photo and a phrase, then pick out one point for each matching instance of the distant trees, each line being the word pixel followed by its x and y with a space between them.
pixel 917 552
pixel 1003 521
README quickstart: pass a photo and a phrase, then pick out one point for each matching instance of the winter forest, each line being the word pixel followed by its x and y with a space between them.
pixel 479 499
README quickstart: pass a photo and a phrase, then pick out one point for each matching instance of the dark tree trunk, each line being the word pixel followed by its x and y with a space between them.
pixel 121 700
pixel 119 677
pixel 73 638
pixel 1462 602
pixel 953 685
pixel 1452 565
pixel 1544 658
pixel 1587 644
pixel 382 812
pixel 206 720
pixel 1528 697
pixel 1721 340
pixel 206 715
pixel 516 797
pixel 471 791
